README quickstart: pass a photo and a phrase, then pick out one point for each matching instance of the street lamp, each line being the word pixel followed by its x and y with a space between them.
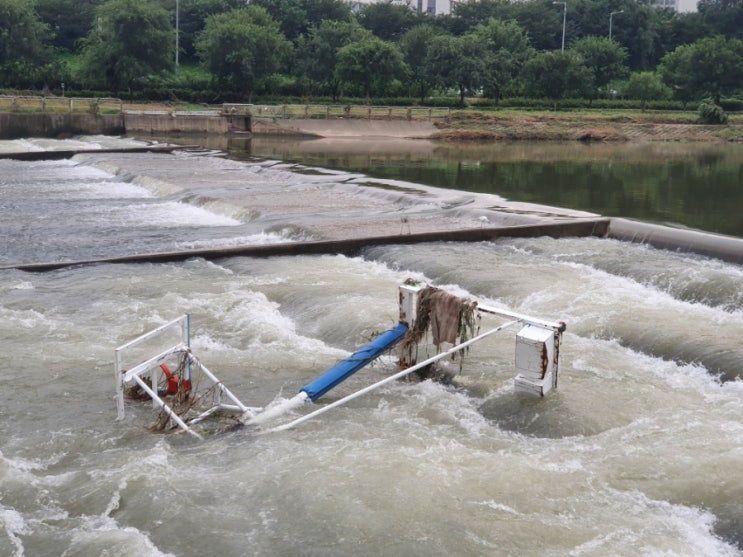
pixel 611 16
pixel 564 18
pixel 177 25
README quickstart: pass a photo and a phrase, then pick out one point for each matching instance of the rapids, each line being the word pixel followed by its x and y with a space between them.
pixel 638 452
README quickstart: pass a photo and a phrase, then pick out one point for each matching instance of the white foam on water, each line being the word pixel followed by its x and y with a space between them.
pixel 163 215
pixel 14 526
pixel 634 454
pixel 103 190
pixel 19 145
pixel 235 241
pixel 157 187
pixel 657 528
pixel 102 536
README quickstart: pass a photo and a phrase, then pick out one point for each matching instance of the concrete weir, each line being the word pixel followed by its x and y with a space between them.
pixel 354 246
pixel 726 248
pixel 721 247
pixel 66 154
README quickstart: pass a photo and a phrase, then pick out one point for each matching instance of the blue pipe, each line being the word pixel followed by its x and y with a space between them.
pixel 345 369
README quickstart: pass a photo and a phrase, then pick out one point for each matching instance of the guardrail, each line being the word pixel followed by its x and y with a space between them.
pixel 328 112
pixel 80 105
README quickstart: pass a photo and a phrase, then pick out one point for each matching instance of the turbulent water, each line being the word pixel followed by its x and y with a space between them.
pixel 638 452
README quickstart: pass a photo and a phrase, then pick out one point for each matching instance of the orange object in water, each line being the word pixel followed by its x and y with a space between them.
pixel 172 380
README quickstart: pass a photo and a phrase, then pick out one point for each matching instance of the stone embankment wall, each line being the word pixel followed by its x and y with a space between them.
pixel 18 125
pixel 183 122
pixel 14 125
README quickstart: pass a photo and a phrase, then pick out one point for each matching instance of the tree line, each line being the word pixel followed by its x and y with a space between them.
pixel 233 50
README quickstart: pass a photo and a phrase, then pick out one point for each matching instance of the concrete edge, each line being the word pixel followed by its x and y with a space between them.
pixel 725 248
pixel 68 154
pixel 350 247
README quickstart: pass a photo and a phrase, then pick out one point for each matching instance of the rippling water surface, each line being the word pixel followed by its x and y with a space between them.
pixel 638 452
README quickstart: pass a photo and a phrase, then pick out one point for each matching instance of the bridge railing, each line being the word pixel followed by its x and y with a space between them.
pixel 337 111
pixel 20 103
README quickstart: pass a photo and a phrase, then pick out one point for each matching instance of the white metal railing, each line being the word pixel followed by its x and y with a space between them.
pixel 152 370
pixel 395 377
pixel 30 103
pixel 336 111
pixel 537 358
pixel 537 344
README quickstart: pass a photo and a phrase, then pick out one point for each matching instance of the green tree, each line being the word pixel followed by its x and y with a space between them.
pixel 386 20
pixel 543 21
pixel 371 63
pixel 69 20
pixel 132 40
pixel 470 13
pixel 708 67
pixel 723 16
pixel 414 46
pixel 192 18
pixel 24 43
pixel 457 62
pixel 326 10
pixel 646 86
pixel 679 29
pixel 506 46
pixel 296 17
pixel 605 58
pixel 639 32
pixel 241 48
pixel 317 53
pixel 556 74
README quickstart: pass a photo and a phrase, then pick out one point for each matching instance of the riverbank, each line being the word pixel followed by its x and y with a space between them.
pixel 585 126
pixel 473 126
pixel 365 122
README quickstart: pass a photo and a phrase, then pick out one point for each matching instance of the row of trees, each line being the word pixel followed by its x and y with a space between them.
pixel 495 48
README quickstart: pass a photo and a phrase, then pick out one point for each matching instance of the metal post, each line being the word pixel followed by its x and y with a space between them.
pixel 611 16
pixel 177 29
pixel 564 20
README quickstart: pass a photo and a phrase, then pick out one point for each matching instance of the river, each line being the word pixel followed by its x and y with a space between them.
pixel 638 452
pixel 692 185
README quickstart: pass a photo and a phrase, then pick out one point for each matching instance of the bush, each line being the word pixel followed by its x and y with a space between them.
pixel 710 113
pixel 732 104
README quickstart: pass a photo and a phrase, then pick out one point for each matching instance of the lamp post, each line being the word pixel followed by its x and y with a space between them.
pixel 177 25
pixel 611 16
pixel 564 18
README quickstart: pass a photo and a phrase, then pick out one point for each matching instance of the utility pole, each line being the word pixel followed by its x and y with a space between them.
pixel 564 19
pixel 611 15
pixel 177 25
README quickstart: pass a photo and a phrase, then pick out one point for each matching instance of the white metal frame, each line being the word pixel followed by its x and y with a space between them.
pixel 152 367
pixel 408 306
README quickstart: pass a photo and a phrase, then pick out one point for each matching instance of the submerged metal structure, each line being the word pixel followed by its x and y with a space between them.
pixel 186 393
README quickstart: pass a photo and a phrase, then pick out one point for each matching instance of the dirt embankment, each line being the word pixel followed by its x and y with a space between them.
pixel 477 126
pixel 484 127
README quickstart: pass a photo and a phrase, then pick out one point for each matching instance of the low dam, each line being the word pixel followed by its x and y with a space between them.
pixel 59 117
pixel 22 124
